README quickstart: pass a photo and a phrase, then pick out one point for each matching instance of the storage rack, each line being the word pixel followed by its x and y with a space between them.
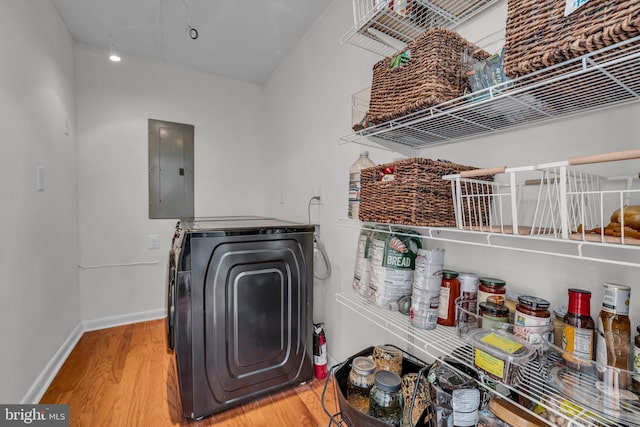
pixel 606 78
pixel 381 29
pixel 602 79
pixel 443 341
pixel 622 255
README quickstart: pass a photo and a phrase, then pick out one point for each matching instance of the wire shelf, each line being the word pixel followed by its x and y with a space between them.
pixel 602 79
pixel 384 26
pixel 579 403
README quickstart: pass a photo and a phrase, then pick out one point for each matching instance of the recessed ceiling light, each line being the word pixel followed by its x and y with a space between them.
pixel 113 55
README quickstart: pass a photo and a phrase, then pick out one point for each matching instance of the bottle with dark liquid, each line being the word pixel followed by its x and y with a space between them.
pixel 579 331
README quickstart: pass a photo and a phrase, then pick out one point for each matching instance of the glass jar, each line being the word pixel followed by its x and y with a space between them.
pixel 636 362
pixel 388 358
pixel 578 333
pixel 468 294
pixel 532 316
pixel 449 292
pixel 491 290
pixel 558 324
pixel 361 379
pixel 386 402
pixel 511 301
pixel 494 316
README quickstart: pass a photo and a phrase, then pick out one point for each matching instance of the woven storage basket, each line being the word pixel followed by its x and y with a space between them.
pixel 432 75
pixel 416 196
pixel 538 34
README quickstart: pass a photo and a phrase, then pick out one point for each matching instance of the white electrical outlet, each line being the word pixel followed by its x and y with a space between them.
pixel 318 191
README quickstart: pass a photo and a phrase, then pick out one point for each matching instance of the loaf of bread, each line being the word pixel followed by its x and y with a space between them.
pixel 631 216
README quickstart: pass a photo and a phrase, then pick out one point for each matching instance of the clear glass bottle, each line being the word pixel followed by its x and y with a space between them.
pixel 636 362
pixel 386 402
pixel 361 379
pixel 354 183
pixel 613 338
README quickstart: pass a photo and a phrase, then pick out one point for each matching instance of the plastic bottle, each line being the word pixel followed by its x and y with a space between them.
pixel 578 334
pixel 354 183
pixel 636 362
pixel 613 338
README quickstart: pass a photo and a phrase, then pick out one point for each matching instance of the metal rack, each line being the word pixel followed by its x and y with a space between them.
pixel 384 26
pixel 564 201
pixel 606 78
pixel 443 341
pixel 622 255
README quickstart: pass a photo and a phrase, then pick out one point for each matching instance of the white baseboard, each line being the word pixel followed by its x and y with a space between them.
pixel 124 319
pixel 39 387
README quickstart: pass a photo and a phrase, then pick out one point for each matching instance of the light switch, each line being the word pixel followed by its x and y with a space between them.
pixel 40 178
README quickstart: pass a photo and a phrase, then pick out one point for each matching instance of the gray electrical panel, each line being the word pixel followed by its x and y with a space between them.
pixel 170 170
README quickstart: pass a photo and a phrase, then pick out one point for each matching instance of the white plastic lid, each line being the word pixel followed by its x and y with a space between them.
pixel 364 153
pixel 465 400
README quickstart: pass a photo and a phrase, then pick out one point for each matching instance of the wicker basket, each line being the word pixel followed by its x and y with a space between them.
pixel 538 34
pixel 432 75
pixel 416 196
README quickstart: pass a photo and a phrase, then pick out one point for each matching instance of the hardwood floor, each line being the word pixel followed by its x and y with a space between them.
pixel 124 376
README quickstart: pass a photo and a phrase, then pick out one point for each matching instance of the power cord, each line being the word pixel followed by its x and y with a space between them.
pixel 318 244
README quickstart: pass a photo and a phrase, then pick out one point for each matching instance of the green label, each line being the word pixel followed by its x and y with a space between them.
pixel 400 252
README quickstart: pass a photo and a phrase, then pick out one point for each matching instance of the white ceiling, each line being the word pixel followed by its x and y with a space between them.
pixel 240 39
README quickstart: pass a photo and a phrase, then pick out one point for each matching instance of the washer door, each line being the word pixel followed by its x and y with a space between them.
pixel 171 300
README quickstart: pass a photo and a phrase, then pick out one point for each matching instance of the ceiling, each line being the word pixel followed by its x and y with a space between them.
pixel 240 39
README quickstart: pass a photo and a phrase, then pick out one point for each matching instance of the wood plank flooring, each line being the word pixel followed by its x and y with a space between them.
pixel 124 376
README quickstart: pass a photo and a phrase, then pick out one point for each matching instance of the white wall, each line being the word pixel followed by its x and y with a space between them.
pixel 114 103
pixel 309 110
pixel 39 305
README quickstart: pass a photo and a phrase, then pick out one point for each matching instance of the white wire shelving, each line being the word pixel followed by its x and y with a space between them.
pixel 606 78
pixel 608 253
pixel 384 26
pixel 443 342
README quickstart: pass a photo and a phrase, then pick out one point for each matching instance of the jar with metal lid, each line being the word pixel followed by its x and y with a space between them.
pixel 511 301
pixel 361 379
pixel 449 292
pixel 532 319
pixel 491 290
pixel 494 316
pixel 386 402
